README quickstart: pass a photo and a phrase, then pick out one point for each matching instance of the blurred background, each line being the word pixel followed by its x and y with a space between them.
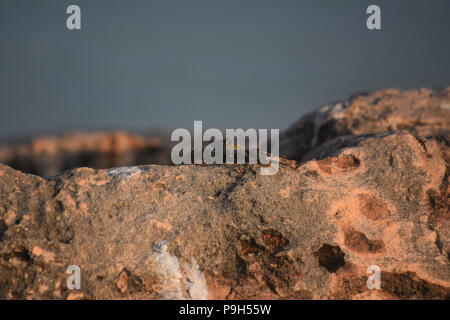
pixel 161 64
pixel 231 63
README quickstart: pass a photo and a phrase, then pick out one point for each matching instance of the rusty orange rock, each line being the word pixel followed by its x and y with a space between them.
pixel 376 195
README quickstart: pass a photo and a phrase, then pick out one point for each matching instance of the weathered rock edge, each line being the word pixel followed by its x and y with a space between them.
pixel 158 232
pixel 423 112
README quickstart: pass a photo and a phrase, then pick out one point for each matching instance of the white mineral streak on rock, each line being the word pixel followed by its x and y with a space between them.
pixel 123 172
pixel 336 111
pixel 196 283
pixel 168 270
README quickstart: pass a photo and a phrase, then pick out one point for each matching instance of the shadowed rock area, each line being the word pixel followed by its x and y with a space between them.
pixel 421 112
pixel 377 195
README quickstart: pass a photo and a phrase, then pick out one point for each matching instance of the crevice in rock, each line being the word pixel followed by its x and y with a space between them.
pixel 21 253
pixel 3 228
pixel 330 257
pixel 274 240
pixel 407 285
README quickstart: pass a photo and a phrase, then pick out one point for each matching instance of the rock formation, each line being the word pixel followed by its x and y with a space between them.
pixel 377 193
pixel 421 112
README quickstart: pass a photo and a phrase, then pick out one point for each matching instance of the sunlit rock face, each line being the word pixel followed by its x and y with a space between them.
pixel 368 197
pixel 421 112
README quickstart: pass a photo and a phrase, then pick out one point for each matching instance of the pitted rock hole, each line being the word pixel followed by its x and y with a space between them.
pixel 249 246
pixel 358 241
pixel 274 240
pixel 342 163
pixel 330 257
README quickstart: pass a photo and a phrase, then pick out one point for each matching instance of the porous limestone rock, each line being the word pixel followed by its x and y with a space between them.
pixel 375 196
pixel 421 112
pixel 163 232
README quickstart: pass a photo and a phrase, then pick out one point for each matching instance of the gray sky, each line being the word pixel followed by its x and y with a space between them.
pixel 231 63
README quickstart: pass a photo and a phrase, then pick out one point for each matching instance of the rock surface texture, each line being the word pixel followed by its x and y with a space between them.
pixel 377 195
pixel 421 112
